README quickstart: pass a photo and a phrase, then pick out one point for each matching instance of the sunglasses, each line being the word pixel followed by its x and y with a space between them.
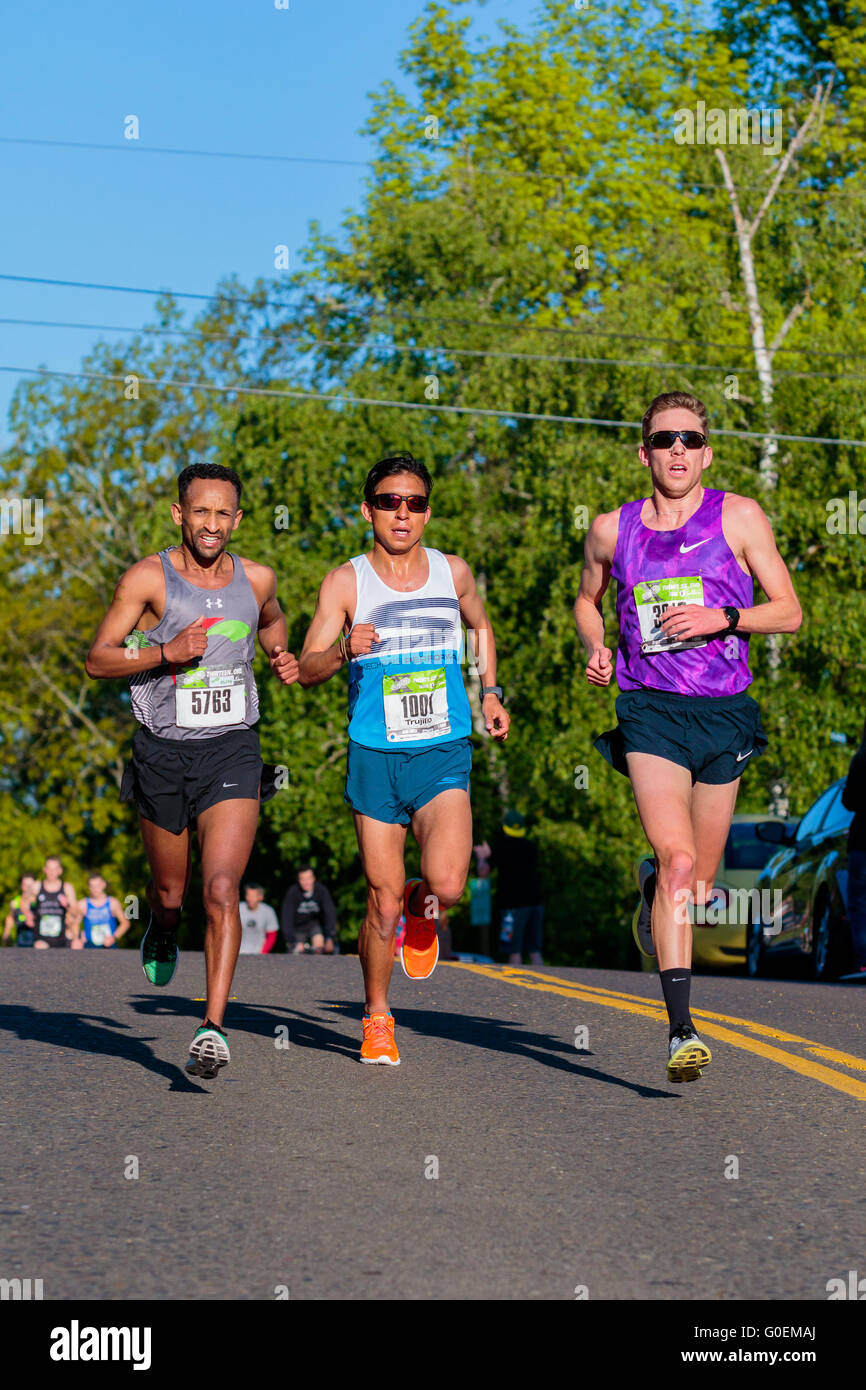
pixel 390 502
pixel 664 439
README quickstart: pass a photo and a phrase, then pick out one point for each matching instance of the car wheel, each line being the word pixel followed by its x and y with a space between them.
pixel 823 961
pixel 755 954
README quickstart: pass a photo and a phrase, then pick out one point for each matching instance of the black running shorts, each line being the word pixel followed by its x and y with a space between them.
pixel 714 736
pixel 171 781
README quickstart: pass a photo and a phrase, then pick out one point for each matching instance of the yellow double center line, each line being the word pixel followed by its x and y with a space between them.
pixel 710 1025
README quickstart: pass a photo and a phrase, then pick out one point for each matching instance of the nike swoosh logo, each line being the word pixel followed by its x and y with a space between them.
pixel 231 784
pixel 684 549
pixel 741 756
pixel 678 981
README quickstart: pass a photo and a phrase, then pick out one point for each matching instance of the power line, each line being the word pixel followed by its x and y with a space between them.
pixel 409 405
pixel 135 147
pixel 421 348
pixel 336 310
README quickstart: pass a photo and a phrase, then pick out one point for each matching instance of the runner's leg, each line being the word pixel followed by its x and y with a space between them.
pixel 226 833
pixel 381 846
pixel 169 857
pixel 663 795
pixel 443 829
pixel 712 812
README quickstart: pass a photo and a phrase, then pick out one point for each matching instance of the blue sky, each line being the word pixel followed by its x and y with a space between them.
pixel 202 74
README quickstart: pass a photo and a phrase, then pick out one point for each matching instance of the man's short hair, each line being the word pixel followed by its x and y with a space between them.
pixel 390 467
pixel 54 859
pixel 306 869
pixel 254 887
pixel 672 400
pixel 95 873
pixel 211 472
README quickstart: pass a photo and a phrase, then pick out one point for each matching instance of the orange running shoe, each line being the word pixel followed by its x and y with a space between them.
pixel 378 1044
pixel 420 950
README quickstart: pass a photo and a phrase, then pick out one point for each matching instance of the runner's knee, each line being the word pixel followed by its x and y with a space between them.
pixel 167 893
pixel 446 888
pixel 676 870
pixel 221 891
pixel 383 911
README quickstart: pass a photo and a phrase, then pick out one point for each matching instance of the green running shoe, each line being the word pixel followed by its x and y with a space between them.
pixel 208 1051
pixel 159 954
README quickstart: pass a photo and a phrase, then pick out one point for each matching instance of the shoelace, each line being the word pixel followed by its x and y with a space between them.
pixel 379 1027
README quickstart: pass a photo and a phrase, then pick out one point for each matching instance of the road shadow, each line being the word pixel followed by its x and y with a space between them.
pixel 503 1036
pixel 259 1020
pixel 95 1034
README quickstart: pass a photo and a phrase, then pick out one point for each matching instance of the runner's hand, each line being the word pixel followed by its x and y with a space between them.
pixel 481 851
pixel 693 620
pixel 188 645
pixel 284 666
pixel 496 717
pixel 109 940
pixel 360 640
pixel 599 668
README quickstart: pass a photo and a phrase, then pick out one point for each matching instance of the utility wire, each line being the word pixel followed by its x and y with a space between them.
pixel 419 349
pixel 409 405
pixel 336 311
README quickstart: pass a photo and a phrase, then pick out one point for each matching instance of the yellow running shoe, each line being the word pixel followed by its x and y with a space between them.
pixel 378 1044
pixel 420 950
pixel 686 1055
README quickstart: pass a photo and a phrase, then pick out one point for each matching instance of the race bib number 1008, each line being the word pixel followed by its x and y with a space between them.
pixel 653 598
pixel 416 706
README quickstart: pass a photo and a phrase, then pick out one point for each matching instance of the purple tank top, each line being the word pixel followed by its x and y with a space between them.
pixel 656 569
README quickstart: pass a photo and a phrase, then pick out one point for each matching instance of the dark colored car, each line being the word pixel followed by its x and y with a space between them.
pixel 802 914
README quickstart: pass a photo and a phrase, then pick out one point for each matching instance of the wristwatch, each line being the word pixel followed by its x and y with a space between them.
pixel 491 690
pixel 733 617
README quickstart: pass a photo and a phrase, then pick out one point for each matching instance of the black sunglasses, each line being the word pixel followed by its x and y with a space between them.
pixel 390 502
pixel 664 439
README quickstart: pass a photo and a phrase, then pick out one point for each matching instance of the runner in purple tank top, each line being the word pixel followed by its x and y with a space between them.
pixel 684 560
pixel 181 629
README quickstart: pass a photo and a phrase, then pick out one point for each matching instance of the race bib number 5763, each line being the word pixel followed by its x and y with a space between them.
pixel 210 697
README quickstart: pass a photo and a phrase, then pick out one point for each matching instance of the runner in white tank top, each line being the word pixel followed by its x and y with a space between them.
pixel 398 614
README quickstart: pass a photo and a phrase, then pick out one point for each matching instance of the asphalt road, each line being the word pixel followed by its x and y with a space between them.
pixel 300 1172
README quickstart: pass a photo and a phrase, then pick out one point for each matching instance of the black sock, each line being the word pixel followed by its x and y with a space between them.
pixel 676 985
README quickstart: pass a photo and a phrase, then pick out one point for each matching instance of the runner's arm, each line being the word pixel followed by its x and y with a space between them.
pixel 480 632
pixel 273 632
pixel 7 926
pixel 749 533
pixel 272 930
pixel 320 659
pixel 108 657
pixel 120 917
pixel 329 911
pixel 594 578
pixel 287 915
pixel 74 912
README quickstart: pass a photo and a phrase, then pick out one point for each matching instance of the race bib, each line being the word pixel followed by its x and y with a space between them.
pixel 653 598
pixel 209 697
pixel 99 931
pixel 416 706
pixel 50 924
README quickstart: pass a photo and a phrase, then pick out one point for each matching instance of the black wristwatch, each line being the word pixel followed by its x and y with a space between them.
pixel 733 617
pixel 491 690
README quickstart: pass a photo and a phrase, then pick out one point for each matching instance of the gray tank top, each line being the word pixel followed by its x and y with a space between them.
pixel 217 694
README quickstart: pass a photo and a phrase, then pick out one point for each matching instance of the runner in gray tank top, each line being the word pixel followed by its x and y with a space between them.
pixel 684 560
pixel 182 629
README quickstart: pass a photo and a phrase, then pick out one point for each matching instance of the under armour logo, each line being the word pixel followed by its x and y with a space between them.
pixel 216 603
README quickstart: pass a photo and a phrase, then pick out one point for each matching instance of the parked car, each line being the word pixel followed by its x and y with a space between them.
pixel 719 942
pixel 803 916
